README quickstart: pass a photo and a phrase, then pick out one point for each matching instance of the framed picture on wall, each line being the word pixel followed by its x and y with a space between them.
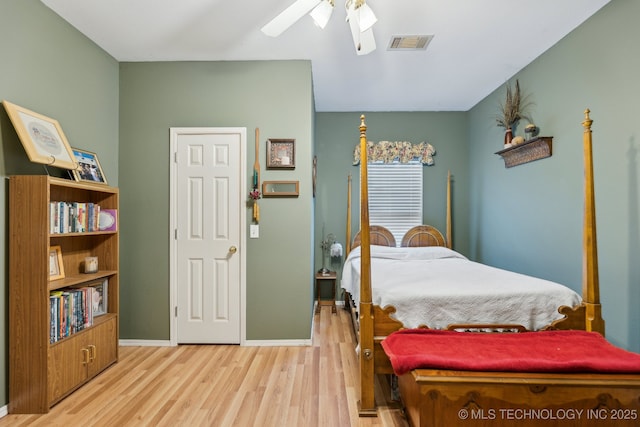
pixel 41 137
pixel 281 154
pixel 89 169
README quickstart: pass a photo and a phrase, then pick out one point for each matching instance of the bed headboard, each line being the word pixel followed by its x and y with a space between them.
pixel 378 235
pixel 423 235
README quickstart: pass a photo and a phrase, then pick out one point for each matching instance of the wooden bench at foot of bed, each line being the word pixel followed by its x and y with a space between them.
pixel 434 398
pixel 549 378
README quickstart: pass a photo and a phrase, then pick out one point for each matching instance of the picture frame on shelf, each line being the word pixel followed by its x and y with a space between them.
pixel 56 266
pixel 41 136
pixel 281 154
pixel 100 297
pixel 88 169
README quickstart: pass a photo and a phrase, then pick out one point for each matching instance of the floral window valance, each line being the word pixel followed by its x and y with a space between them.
pixel 396 152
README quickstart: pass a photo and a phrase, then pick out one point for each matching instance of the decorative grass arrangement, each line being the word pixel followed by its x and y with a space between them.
pixel 515 107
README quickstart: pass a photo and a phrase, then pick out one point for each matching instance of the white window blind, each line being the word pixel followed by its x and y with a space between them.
pixel 395 196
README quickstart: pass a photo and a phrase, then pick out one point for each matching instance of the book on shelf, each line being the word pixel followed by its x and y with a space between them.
pixel 78 217
pixel 74 309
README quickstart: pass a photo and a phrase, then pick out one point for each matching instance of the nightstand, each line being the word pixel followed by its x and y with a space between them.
pixel 326 278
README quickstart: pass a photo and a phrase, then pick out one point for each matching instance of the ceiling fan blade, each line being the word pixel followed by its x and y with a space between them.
pixel 364 41
pixel 289 16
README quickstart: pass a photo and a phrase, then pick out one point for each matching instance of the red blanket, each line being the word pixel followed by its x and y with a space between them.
pixel 545 351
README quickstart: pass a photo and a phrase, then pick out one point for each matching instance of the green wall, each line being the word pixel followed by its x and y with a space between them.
pixel 273 96
pixel 529 218
pixel 48 67
pixel 337 134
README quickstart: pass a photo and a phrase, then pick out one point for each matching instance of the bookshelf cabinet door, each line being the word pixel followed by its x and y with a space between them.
pixel 105 346
pixel 68 362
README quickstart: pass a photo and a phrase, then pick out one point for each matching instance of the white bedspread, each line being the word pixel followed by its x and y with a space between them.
pixel 436 286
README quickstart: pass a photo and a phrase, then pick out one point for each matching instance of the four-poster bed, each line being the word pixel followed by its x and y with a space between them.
pixel 376 322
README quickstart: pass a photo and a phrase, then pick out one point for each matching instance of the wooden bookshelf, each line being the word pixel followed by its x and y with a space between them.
pixel 43 373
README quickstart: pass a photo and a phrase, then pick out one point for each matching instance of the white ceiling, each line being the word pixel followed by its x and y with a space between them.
pixel 478 44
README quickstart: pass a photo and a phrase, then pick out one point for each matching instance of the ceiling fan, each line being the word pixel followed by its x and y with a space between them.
pixel 359 16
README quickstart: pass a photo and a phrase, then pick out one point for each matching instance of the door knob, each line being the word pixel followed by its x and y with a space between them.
pixel 233 249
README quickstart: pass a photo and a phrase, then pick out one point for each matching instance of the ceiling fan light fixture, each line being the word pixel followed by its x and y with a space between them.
pixel 322 13
pixel 363 41
pixel 366 17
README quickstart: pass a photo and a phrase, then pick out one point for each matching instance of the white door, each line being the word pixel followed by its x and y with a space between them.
pixel 207 205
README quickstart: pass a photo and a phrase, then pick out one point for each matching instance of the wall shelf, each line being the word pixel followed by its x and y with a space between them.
pixel 533 149
pixel 280 188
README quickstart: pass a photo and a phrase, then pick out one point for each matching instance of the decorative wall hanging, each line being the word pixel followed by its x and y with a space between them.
pixel 281 154
pixel 314 174
pixel 396 152
pixel 254 194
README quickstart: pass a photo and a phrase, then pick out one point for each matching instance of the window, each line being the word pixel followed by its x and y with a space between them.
pixel 395 196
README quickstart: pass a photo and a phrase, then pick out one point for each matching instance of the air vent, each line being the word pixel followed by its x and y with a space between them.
pixel 409 42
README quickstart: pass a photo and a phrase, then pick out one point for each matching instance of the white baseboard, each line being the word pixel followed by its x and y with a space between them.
pixel 4 411
pixel 145 343
pixel 278 343
pixel 247 343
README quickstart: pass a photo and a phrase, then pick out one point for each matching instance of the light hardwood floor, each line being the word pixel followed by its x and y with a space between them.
pixel 199 385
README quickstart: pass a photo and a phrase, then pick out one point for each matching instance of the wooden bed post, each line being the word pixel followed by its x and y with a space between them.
pixel 590 285
pixel 367 405
pixel 449 245
pixel 348 239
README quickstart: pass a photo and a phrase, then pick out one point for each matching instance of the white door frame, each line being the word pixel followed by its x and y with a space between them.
pixel 175 132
